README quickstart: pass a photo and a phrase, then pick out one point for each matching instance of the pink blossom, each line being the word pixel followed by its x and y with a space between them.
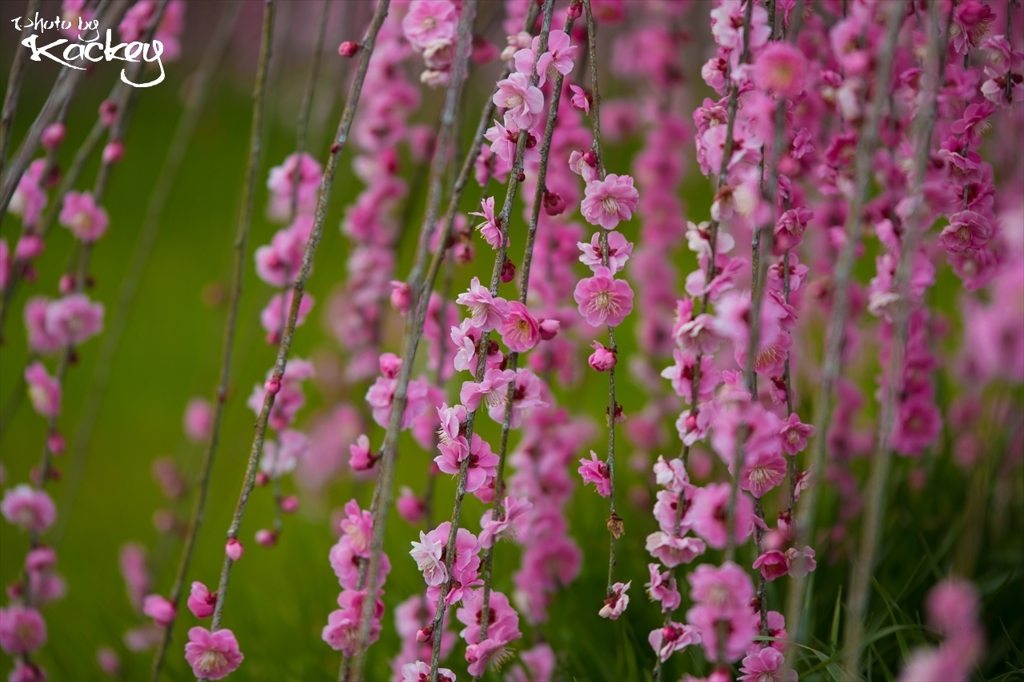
pixel 278 263
pixel 508 524
pixel 212 655
pixel 522 102
pixel 73 319
pixel 486 311
pixel 234 549
pixel 662 588
pixel 795 434
pixel 22 630
pixel 83 217
pixel 361 458
pixel 601 299
pixel 274 316
pixel 40 560
pixel 967 230
pixel 482 463
pixel 584 164
pixel 952 606
pixel 707 514
pixel 465 337
pixel 609 201
pixel 671 638
pixel 619 251
pixel 298 176
pixel 489 229
pixel 616 603
pixel 595 471
pixel 761 472
pixel 283 456
pixel 558 58
pixel 429 20
pixel 772 564
pixel 492 390
pixel 526 395
pixel 201 602
pixel 420 672
pixel 780 68
pixel 29 196
pixel 26 672
pixel 411 508
pixel 767 665
pixel 673 551
pixel 602 359
pixel 28 508
pixel 43 390
pixel 159 609
pixel 198 419
pixel 108 661
pixel 520 331
pixel 427 553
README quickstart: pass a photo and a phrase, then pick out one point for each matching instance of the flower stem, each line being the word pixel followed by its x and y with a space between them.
pixel 14 87
pixel 831 365
pixel 863 564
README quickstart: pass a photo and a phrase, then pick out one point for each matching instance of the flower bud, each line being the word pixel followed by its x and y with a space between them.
pixel 390 364
pixel 262 479
pixel 29 247
pixel 576 9
pixel 108 112
pixel 290 504
pixel 602 359
pixel 113 152
pixel 401 296
pixel 53 135
pixel 348 49
pixel 266 538
pixel 508 271
pixel 66 285
pixel 234 549
pixel 273 385
pixel 554 204
pixel 549 329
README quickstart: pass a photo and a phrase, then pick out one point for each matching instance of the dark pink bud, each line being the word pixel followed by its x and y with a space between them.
pixel 290 504
pixel 508 271
pixel 53 135
pixel 29 247
pixel 108 112
pixel 602 359
pixel 576 9
pixel 521 177
pixel 549 329
pixel 401 296
pixel 590 157
pixel 234 549
pixel 691 422
pixel 335 148
pixel 390 364
pixel 348 49
pixel 425 634
pixel 266 538
pixel 273 385
pixel 66 285
pixel 554 204
pixel 113 152
pixel 262 479
pixel 55 442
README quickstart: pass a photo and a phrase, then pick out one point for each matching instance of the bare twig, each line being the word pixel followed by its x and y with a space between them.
pixel 14 86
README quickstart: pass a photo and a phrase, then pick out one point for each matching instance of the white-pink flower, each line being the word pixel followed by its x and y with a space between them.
pixel 609 201
pixel 521 101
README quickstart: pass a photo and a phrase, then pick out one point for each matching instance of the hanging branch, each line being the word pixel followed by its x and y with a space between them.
pixel 804 527
pixel 340 140
pixel 14 87
pixel 863 564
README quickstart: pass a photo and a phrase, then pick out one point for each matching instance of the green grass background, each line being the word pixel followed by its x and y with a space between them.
pixel 279 598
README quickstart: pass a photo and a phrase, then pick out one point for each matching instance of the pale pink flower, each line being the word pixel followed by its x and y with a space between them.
pixel 43 390
pixel 482 462
pixel 28 508
pixel 662 588
pixel 298 176
pixel 761 472
pixel 83 217
pixel 429 20
pixel 201 602
pixel 707 514
pixel 212 655
pixel 609 201
pixel 952 605
pixel 159 609
pixel 274 316
pixel 558 58
pixel 486 311
pixel 361 457
pixel 673 551
pixel 507 525
pixel 39 338
pixel 522 102
pixel 672 638
pixel 198 419
pixel 410 507
pixel 520 331
pixel 595 471
pixel 584 164
pixel 489 229
pixel 22 630
pixel 492 390
pixel 108 661
pixel 801 562
pixel 619 251
pixel 602 359
pixel 427 553
pixel 29 196
pixel 780 68
pixel 580 99
pixel 795 434
pixel 603 300
pixel 73 319
pixel 278 262
pixel 615 605
pixel 767 665
pixel 526 395
pixel 420 672
pixel 465 337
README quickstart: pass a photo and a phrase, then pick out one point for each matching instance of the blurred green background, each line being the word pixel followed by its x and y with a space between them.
pixel 279 598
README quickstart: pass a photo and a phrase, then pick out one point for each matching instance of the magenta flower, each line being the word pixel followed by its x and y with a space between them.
pixel 278 263
pixel 301 174
pixel 767 665
pixel 609 201
pixel 772 564
pixel 486 311
pixel 43 390
pixel 489 229
pixel 429 20
pixel 73 319
pixel 201 602
pixel 482 463
pixel 780 68
pixel 672 638
pixel 361 457
pixel 22 630
pixel 159 609
pixel 595 471
pixel 520 331
pixel 212 655
pixel 411 508
pixel 83 217
pixel 526 395
pixel 274 316
pixel 795 434
pixel 602 359
pixel 619 251
pixel 28 508
pixel 522 102
pixel 707 515
pixel 761 472
pixel 615 605
pixel 967 230
pixel 601 299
